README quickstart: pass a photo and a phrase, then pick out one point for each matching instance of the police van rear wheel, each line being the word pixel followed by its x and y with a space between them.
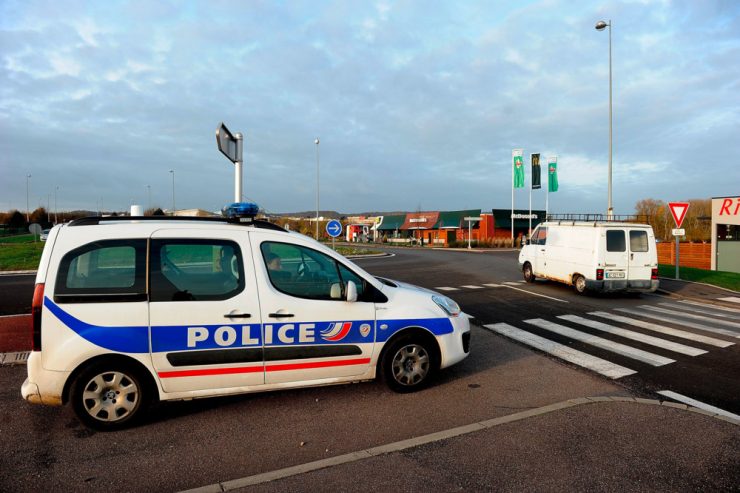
pixel 408 365
pixel 528 274
pixel 109 396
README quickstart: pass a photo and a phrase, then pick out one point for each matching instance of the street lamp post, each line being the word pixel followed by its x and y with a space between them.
pixel 173 191
pixel 317 187
pixel 600 26
pixel 56 209
pixel 149 196
pixel 28 212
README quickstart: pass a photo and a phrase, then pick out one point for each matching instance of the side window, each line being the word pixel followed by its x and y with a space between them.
pixel 108 270
pixel 615 241
pixel 542 236
pixel 638 241
pixel 195 270
pixel 305 273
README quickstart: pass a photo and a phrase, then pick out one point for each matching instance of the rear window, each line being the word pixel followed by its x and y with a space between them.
pixel 113 270
pixel 615 241
pixel 638 241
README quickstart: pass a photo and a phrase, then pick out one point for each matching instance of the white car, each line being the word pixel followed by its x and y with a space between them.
pixel 131 310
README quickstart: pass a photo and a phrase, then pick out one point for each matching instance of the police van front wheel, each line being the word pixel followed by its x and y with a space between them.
pixel 409 364
pixel 109 396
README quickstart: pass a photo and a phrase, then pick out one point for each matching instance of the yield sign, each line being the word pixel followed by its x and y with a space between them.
pixel 678 211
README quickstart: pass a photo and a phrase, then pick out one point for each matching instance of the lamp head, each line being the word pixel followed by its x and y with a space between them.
pixel 601 25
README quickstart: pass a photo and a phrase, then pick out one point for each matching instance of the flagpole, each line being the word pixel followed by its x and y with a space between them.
pixel 547 195
pixel 511 218
pixel 531 175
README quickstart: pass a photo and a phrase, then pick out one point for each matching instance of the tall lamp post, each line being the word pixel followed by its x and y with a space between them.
pixel 317 187
pixel 28 215
pixel 600 26
pixel 173 191
pixel 56 209
pixel 149 196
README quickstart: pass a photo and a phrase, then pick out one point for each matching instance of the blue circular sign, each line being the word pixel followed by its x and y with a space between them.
pixel 334 228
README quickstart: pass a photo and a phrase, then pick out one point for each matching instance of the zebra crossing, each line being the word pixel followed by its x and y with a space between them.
pixel 713 325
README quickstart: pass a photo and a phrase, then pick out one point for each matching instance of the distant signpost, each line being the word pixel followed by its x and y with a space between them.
pixel 35 230
pixel 334 229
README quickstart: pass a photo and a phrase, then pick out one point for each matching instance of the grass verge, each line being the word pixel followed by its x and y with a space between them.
pixel 729 280
pixel 20 256
pixel 19 239
pixel 345 250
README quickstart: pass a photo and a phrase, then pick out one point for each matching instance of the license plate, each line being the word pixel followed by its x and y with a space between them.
pixel 615 275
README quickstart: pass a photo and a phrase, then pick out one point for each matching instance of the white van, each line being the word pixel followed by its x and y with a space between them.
pixel 131 310
pixel 593 256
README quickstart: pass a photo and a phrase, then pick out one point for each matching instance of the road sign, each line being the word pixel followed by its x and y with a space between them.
pixel 678 211
pixel 35 229
pixel 227 143
pixel 679 232
pixel 334 228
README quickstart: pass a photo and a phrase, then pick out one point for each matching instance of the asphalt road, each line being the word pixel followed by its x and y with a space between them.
pixel 190 444
pixel 16 293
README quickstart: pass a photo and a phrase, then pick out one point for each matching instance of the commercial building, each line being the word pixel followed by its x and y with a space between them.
pixel 726 234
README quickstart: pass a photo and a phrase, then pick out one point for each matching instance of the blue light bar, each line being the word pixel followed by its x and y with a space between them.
pixel 239 210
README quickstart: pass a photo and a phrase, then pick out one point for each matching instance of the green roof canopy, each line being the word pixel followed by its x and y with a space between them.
pixel 392 223
pixel 455 219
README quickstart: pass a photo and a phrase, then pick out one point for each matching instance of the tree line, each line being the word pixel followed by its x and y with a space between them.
pixel 697 223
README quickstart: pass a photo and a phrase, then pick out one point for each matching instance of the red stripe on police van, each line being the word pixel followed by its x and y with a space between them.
pixel 318 364
pixel 255 369
pixel 212 371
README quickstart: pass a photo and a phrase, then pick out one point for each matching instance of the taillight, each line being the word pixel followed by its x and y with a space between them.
pixel 599 274
pixel 654 274
pixel 38 303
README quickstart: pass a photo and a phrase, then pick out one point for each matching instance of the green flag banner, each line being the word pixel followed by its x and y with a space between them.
pixel 552 174
pixel 536 171
pixel 518 168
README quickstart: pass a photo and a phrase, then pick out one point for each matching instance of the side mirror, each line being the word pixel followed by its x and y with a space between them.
pixel 336 291
pixel 351 291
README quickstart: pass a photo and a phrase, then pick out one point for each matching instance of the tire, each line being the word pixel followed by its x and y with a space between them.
pixel 109 396
pixel 409 364
pixel 579 283
pixel 528 274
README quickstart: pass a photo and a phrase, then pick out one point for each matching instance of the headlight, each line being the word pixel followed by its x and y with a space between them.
pixel 446 304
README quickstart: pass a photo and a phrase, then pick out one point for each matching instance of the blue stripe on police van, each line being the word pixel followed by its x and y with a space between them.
pixel 121 339
pixel 168 338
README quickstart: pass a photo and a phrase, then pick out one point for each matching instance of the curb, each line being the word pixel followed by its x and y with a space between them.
pixel 701 284
pixel 434 437
pixel 17 272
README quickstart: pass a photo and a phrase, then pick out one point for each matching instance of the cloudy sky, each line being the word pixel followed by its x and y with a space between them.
pixel 417 104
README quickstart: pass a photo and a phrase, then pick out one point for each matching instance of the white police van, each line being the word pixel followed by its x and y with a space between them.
pixel 129 310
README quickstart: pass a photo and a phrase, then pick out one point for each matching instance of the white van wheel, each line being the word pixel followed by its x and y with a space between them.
pixel 108 396
pixel 580 284
pixel 528 274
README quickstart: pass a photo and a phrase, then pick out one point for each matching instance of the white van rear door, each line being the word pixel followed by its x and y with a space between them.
pixel 616 255
pixel 640 255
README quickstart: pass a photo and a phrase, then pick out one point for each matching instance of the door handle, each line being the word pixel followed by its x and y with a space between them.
pixel 238 315
pixel 632 256
pixel 280 315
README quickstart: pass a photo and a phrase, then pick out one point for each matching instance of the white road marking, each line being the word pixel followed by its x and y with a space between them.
pixel 17 315
pixel 732 299
pixel 512 283
pixel 693 402
pixel 599 342
pixel 445 288
pixel 716 307
pixel 602 366
pixel 635 336
pixel 696 309
pixel 685 323
pixel 534 294
pixel 472 287
pixel 522 282
pixel 691 315
pixel 492 285
pixel 711 341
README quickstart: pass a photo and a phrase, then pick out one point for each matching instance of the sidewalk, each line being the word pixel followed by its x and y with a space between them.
pixel 596 443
